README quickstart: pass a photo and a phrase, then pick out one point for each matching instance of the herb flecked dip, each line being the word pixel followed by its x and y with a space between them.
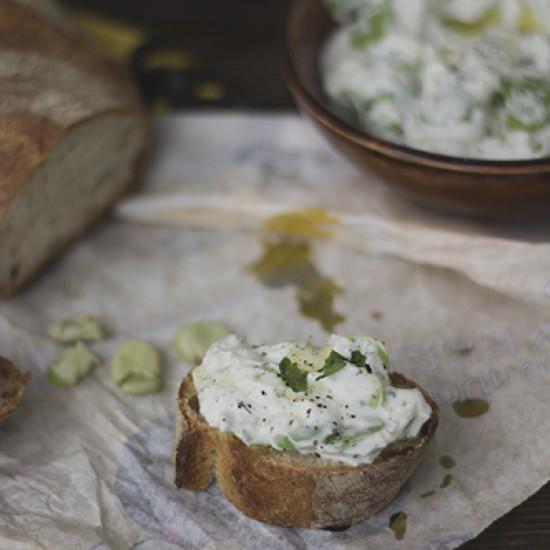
pixel 467 78
pixel 335 402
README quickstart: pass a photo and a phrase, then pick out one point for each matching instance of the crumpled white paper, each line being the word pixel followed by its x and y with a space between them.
pixel 462 308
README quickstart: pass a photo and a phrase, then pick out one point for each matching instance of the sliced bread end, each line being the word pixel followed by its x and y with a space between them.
pixel 288 488
pixel 12 386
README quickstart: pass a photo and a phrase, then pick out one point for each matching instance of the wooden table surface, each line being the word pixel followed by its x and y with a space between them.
pixel 225 54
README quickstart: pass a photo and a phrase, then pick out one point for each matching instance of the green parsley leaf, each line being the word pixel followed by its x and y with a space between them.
pixel 358 359
pixel 332 438
pixel 294 377
pixel 333 363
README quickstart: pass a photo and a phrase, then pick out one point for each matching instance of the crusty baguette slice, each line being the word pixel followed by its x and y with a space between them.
pixel 12 385
pixel 288 488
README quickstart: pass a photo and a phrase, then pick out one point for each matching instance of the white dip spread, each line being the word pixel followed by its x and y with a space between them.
pixel 336 402
pixel 467 78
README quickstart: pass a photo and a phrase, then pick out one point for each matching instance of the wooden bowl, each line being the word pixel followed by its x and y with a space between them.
pixel 487 188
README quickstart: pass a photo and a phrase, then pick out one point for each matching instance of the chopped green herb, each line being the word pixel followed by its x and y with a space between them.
pixel 358 359
pixel 366 35
pixel 378 397
pixel 292 375
pixel 383 354
pixel 514 124
pixel 490 17
pixel 468 115
pixel 342 441
pixel 526 120
pixel 395 128
pixel 375 100
pixel 333 363
pixel 351 440
pixel 332 438
pixel 285 443
pixel 536 146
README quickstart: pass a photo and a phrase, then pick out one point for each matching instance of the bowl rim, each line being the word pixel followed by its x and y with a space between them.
pixel 324 114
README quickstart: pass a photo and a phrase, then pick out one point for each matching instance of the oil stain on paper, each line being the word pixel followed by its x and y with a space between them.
pixel 446 481
pixel 398 524
pixel 471 408
pixel 287 260
pixel 447 462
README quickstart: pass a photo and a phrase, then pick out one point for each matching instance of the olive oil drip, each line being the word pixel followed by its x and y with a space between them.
pixel 447 462
pixel 287 261
pixel 446 481
pixel 471 408
pixel 398 524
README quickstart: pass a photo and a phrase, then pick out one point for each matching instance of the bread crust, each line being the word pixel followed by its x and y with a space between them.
pixel 15 285
pixel 12 386
pixel 27 137
pixel 26 30
pixel 37 55
pixel 286 488
pixel 24 141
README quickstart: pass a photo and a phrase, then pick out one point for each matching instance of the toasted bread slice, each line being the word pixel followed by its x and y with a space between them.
pixel 286 487
pixel 12 385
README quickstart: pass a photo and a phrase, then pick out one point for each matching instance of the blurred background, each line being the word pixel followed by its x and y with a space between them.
pixel 195 54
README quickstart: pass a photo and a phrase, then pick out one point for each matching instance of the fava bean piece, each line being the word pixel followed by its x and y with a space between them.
pixel 83 328
pixel 136 368
pixel 192 341
pixel 72 364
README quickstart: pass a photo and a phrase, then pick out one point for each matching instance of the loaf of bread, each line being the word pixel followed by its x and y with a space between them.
pixel 289 488
pixel 72 133
pixel 12 385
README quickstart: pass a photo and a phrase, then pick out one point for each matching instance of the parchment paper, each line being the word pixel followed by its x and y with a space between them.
pixel 463 308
